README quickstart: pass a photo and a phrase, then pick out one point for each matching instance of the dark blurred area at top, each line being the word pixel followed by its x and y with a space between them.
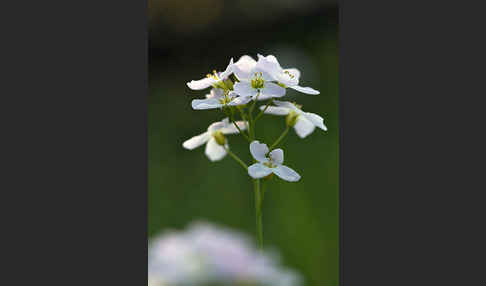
pixel 185 30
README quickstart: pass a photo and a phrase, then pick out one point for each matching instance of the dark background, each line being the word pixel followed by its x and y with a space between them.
pixel 188 39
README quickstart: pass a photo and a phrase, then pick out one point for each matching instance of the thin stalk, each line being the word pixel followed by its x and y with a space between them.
pixel 239 130
pixel 254 103
pixel 258 212
pixel 280 138
pixel 237 159
pixel 263 111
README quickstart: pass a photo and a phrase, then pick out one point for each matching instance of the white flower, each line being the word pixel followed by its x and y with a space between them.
pixel 271 164
pixel 211 79
pixel 214 138
pixel 205 254
pixel 254 80
pixel 217 98
pixel 288 77
pixel 306 121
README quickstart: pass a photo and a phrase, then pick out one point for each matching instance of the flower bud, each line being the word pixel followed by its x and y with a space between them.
pixel 219 137
pixel 291 119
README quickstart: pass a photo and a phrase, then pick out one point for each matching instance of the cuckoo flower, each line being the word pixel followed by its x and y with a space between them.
pixel 214 138
pixel 271 164
pixel 288 77
pixel 304 123
pixel 254 80
pixel 218 98
pixel 208 254
pixel 212 79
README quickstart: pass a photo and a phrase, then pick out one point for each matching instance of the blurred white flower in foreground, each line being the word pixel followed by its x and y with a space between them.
pixel 214 137
pixel 205 254
pixel 305 122
pixel 271 164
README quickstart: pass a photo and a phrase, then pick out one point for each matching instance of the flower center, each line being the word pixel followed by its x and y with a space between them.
pixel 291 118
pixel 270 164
pixel 214 75
pixel 226 99
pixel 219 137
pixel 289 74
pixel 257 82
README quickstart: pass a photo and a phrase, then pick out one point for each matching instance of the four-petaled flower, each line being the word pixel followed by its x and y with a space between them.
pixel 305 122
pixel 287 77
pixel 255 80
pixel 218 98
pixel 212 79
pixel 214 137
pixel 271 164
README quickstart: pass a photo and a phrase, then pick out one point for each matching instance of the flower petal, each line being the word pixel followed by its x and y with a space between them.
pixel 202 83
pixel 308 90
pixel 215 93
pixel 316 120
pixel 243 67
pixel 259 151
pixel 269 64
pixel 196 141
pixel 231 128
pixel 244 89
pixel 217 125
pixel 303 127
pixel 210 103
pixel 277 156
pixel 228 71
pixel 286 173
pixel 239 100
pixel 214 151
pixel 275 110
pixel 286 104
pixel 273 90
pixel 286 79
pixel 258 171
pixel 293 71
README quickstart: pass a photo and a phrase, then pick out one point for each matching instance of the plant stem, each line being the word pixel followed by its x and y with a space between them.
pixel 263 111
pixel 280 138
pixel 256 185
pixel 258 212
pixel 237 159
pixel 239 130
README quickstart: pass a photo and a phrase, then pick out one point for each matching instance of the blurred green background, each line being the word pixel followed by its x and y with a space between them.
pixel 187 40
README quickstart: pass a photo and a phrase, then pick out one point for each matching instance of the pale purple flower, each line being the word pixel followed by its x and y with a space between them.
pixel 306 121
pixel 205 253
pixel 214 150
pixel 288 77
pixel 211 79
pixel 217 98
pixel 272 163
pixel 255 80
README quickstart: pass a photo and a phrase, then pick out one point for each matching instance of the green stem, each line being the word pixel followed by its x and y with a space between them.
pixel 280 138
pixel 263 111
pixel 254 103
pixel 258 212
pixel 237 159
pixel 239 130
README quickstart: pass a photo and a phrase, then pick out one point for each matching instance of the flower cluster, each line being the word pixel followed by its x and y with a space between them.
pixel 235 91
pixel 206 254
